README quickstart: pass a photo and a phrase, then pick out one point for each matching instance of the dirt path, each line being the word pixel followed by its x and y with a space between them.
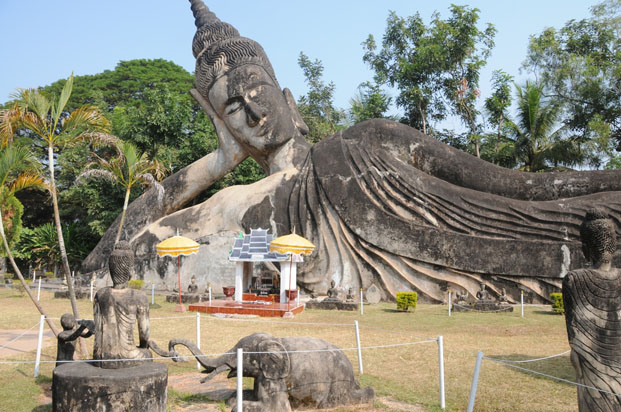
pixel 25 344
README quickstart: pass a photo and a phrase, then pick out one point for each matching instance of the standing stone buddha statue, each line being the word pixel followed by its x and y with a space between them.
pixel 592 299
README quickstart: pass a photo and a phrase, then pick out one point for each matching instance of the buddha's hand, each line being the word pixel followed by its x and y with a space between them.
pixel 226 141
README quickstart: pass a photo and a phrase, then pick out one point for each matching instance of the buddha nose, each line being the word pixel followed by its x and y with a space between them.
pixel 254 112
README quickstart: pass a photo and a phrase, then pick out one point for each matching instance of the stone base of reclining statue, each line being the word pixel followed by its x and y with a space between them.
pixel 185 298
pixel 329 304
pixel 482 306
pixel 85 387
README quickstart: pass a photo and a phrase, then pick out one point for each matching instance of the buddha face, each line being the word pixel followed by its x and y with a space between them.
pixel 253 108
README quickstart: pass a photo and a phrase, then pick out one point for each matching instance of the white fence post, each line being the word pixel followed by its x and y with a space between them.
pixel 152 293
pixel 361 302
pixel 39 290
pixel 449 303
pixel 91 290
pixel 359 348
pixel 475 381
pixel 198 336
pixel 210 294
pixel 39 344
pixel 441 368
pixel 240 379
pixel 522 301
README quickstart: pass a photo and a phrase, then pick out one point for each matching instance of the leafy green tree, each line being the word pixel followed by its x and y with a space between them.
pixel 580 65
pixel 539 142
pixel 41 245
pixel 47 121
pixel 127 168
pixel 370 103
pixel 435 68
pixel 18 171
pixel 498 147
pixel 126 84
pixel 317 106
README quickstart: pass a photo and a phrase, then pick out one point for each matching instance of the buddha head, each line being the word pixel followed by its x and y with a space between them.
pixel 235 76
pixel 599 239
pixel 121 263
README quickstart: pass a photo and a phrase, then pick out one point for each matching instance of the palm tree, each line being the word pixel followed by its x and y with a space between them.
pixel 538 143
pixel 18 171
pixel 127 168
pixel 47 121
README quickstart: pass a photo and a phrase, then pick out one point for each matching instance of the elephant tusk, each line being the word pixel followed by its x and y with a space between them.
pixel 213 373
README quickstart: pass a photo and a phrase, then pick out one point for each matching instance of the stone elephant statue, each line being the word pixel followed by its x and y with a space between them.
pixel 287 373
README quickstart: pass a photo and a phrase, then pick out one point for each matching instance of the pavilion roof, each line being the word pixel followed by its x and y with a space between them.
pixel 255 247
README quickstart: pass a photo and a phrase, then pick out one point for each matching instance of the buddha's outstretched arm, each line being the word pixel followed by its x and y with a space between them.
pixel 179 189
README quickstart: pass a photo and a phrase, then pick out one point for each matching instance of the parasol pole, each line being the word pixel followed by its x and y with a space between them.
pixel 179 276
pixel 289 286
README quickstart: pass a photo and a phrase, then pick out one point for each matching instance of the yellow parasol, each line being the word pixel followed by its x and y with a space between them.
pixel 177 246
pixel 293 245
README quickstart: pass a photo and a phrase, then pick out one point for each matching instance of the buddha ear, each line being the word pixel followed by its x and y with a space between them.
pixel 297 119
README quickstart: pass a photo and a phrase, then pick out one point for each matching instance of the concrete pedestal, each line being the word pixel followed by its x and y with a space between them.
pixel 84 387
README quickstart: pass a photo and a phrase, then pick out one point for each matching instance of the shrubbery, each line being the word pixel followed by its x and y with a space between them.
pixel 136 284
pixel 557 302
pixel 406 300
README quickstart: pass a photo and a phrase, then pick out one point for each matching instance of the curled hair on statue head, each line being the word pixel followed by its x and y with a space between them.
pixel 121 263
pixel 599 239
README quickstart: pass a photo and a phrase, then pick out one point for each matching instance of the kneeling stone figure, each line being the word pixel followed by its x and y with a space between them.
pixel 288 372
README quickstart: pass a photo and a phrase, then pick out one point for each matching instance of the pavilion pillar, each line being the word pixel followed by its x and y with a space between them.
pixel 239 281
pixel 288 273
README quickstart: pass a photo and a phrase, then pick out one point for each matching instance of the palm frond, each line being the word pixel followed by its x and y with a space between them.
pixel 99 139
pixel 25 181
pixel 63 99
pixel 85 118
pixel 87 174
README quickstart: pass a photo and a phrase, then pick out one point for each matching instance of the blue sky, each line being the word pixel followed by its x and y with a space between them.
pixel 46 40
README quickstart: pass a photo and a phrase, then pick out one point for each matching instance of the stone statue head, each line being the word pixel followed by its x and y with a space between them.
pixel 482 286
pixel 599 239
pixel 121 263
pixel 332 284
pixel 235 76
pixel 67 321
pixel 193 279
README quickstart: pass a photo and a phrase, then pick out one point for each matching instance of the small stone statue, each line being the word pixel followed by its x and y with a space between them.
pixel 461 297
pixel 193 287
pixel 503 299
pixel 116 310
pixel 66 338
pixel 350 295
pixel 483 294
pixel 592 300
pixel 333 292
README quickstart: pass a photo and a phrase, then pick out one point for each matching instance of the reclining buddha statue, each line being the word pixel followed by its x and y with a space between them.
pixel 385 204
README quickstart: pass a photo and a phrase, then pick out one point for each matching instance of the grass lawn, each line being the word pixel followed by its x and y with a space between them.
pixel 405 373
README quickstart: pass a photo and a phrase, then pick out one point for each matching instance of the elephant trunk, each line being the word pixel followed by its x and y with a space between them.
pixel 213 366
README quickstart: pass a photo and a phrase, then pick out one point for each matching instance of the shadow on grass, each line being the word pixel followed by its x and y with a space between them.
pixel 547 312
pixel 558 367
pixel 43 408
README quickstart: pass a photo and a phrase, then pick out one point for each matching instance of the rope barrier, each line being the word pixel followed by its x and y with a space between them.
pixel 220 354
pixel 13 340
pixel 527 360
pixel 552 377
pixel 395 332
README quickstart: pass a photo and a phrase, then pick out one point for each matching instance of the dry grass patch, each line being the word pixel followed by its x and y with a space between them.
pixel 407 374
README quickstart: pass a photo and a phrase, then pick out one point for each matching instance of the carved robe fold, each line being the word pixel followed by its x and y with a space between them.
pixel 592 300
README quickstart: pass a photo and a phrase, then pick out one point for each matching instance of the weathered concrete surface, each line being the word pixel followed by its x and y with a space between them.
pixel 385 204
pixel 289 372
pixel 78 387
